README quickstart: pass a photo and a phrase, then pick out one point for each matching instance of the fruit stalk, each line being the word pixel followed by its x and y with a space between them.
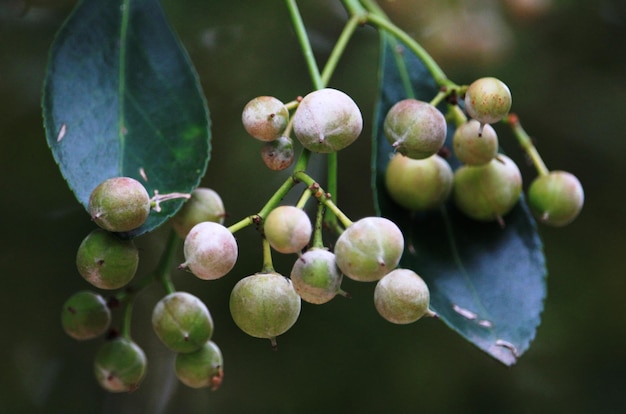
pixel 527 144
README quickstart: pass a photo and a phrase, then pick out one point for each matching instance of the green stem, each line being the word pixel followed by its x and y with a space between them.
pixel 305 44
pixel 323 197
pixel 303 199
pixel 340 47
pixel 318 240
pixel 268 265
pixel 527 144
pixel 163 271
pixel 332 183
pixel 127 319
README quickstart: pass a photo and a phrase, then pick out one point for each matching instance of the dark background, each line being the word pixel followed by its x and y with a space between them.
pixel 565 65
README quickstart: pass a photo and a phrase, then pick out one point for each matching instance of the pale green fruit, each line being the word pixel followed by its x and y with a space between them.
pixel 473 145
pixel 202 368
pixel 557 198
pixel 85 315
pixel 316 277
pixel 488 100
pixel 418 185
pixel 120 365
pixel 204 204
pixel 488 192
pixel 327 120
pixel 265 118
pixel 369 249
pixel 210 251
pixel 119 204
pixel 288 229
pixel 402 297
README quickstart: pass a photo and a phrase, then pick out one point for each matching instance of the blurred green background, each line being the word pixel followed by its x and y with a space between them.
pixel 565 62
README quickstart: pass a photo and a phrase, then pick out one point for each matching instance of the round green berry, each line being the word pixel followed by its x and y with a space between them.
pixel 182 322
pixel 488 192
pixel 85 315
pixel 557 198
pixel 265 305
pixel 278 155
pixel 369 249
pixel 327 120
pixel 202 368
pixel 204 204
pixel 475 144
pixel 288 229
pixel 119 204
pixel 418 185
pixel 414 128
pixel 402 297
pixel 488 100
pixel 316 277
pixel 265 118
pixel 106 261
pixel 120 365
pixel 210 251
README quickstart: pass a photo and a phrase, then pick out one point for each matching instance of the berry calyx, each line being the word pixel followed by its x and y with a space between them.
pixel 210 251
pixel 288 229
pixel 204 204
pixel 488 192
pixel 327 120
pixel 119 204
pixel 556 199
pixel 278 155
pixel 106 261
pixel 402 297
pixel 418 185
pixel 475 144
pixel 488 100
pixel 415 128
pixel 182 322
pixel 316 277
pixel 120 365
pixel 369 249
pixel 265 305
pixel 85 315
pixel 265 118
pixel 202 368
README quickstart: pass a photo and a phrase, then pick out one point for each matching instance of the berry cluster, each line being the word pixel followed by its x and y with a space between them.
pixel 488 184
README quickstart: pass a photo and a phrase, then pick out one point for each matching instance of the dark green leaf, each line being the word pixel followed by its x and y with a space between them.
pixel 486 282
pixel 121 98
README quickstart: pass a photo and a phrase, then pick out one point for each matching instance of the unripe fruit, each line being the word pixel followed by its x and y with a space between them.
pixel 418 185
pixel 120 365
pixel 489 191
pixel 402 297
pixel 327 120
pixel 488 100
pixel 278 155
pixel 369 249
pixel 415 128
pixel 204 205
pixel 202 368
pixel 210 251
pixel 265 305
pixel 288 229
pixel 265 118
pixel 85 315
pixel 473 146
pixel 106 261
pixel 119 204
pixel 182 322
pixel 316 277
pixel 556 199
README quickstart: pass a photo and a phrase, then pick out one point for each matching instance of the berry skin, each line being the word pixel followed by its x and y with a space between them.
pixel 369 249
pixel 106 261
pixel 556 199
pixel 265 305
pixel 204 205
pixel 473 146
pixel 278 155
pixel 488 192
pixel 210 251
pixel 402 297
pixel 327 120
pixel 85 315
pixel 288 229
pixel 265 118
pixel 202 368
pixel 488 100
pixel 419 185
pixel 182 322
pixel 119 204
pixel 415 128
pixel 120 365
pixel 316 277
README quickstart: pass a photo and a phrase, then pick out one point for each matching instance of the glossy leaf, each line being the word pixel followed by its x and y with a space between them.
pixel 121 98
pixel 486 282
